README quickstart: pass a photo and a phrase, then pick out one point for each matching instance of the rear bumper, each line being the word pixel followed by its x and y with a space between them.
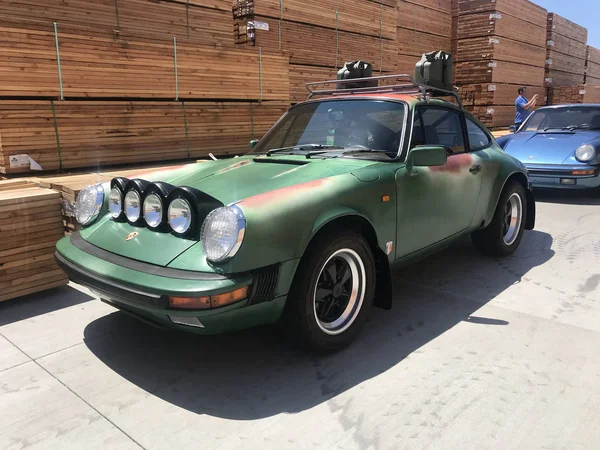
pixel 562 177
pixel 146 295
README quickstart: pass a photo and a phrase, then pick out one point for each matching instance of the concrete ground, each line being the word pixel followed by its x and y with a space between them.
pixel 477 353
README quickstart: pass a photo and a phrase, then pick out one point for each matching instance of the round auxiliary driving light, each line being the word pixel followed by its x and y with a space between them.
pixel 180 215
pixel 115 202
pixel 153 210
pixel 132 206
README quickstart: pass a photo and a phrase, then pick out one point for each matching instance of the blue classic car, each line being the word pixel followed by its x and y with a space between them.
pixel 559 145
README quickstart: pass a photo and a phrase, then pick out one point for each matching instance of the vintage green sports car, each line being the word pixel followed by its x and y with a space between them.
pixel 305 229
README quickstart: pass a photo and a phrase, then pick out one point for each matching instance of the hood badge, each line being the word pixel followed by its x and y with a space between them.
pixel 131 235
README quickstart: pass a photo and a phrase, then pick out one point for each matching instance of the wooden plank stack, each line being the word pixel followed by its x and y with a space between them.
pixel 566 52
pixel 319 36
pixel 500 46
pixel 592 66
pixel 30 225
pixel 117 89
pixel 423 26
pixel 574 94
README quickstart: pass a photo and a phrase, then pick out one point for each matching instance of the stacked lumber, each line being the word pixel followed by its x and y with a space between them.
pixel 574 94
pixel 30 225
pixel 319 37
pixel 592 66
pixel 500 46
pixel 100 133
pixel 202 22
pixel 566 52
pixel 423 26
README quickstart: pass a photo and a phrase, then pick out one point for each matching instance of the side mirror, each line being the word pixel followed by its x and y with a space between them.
pixel 426 156
pixel 511 128
pixel 253 143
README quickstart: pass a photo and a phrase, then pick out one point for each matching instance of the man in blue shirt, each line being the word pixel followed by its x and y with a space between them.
pixel 523 107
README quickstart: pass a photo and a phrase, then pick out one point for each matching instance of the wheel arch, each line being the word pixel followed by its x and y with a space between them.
pixel 354 221
pixel 522 179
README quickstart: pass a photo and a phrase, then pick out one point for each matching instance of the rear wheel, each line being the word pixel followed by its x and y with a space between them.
pixel 503 235
pixel 332 293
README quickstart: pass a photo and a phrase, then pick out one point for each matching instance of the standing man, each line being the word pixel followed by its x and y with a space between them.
pixel 523 107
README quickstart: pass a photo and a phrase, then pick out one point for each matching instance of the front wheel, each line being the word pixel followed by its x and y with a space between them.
pixel 503 235
pixel 332 292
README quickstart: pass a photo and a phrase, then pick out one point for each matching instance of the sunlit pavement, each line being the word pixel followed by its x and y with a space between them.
pixel 476 353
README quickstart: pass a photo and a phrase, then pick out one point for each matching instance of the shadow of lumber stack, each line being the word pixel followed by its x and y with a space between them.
pixel 500 46
pixel 137 81
pixel 319 37
pixel 30 224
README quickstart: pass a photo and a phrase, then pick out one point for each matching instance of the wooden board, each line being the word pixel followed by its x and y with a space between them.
pixel 499 94
pixel 592 54
pixel 416 43
pixel 498 72
pixel 99 67
pixel 564 62
pixel 300 75
pixel 29 233
pixel 424 19
pixel 525 9
pixel 485 24
pixel 592 81
pixel 99 133
pixel 319 46
pixel 554 78
pixel 575 94
pixel 563 26
pixel 362 16
pixel 562 44
pixel 494 116
pixel 592 70
pixel 499 49
pixel 438 5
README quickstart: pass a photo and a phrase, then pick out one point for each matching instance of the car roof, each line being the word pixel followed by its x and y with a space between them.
pixel 411 99
pixel 571 105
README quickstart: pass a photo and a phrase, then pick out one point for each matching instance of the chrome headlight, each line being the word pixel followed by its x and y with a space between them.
pixel 180 215
pixel 222 233
pixel 115 202
pixel 89 203
pixel 153 210
pixel 132 206
pixel 585 153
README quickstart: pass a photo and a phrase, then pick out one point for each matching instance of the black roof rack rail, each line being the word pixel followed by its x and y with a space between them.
pixel 412 87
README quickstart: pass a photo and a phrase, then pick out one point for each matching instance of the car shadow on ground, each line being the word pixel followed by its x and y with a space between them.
pixel 255 374
pixel 34 305
pixel 567 197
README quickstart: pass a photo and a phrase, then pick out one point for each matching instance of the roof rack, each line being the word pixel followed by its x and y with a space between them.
pixel 408 88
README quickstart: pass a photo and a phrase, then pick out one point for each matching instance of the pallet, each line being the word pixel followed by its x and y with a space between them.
pixel 574 94
pixel 30 225
pixel 560 25
pixel 99 133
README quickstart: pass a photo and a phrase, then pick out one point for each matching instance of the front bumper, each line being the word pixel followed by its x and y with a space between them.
pixel 562 177
pixel 143 290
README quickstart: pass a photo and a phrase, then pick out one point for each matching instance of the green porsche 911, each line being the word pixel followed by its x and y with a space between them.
pixel 306 228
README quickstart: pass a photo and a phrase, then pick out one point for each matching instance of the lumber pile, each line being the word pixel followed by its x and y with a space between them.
pixel 30 225
pixel 75 134
pixel 566 52
pixel 422 26
pixel 574 94
pixel 592 65
pixel 500 46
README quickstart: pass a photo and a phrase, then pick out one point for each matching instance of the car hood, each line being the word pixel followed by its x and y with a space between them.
pixel 547 148
pixel 229 181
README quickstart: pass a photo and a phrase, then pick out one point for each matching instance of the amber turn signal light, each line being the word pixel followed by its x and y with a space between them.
pixel 213 301
pixel 583 172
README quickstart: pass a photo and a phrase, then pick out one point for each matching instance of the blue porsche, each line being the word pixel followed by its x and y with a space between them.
pixel 559 145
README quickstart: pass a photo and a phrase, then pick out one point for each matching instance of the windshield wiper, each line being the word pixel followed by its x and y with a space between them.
pixel 558 128
pixel 362 149
pixel 302 147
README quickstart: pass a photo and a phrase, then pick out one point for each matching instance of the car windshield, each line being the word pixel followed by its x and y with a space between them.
pixel 565 118
pixel 349 128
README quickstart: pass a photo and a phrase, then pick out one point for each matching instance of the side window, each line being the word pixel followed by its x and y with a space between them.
pixel 438 126
pixel 478 138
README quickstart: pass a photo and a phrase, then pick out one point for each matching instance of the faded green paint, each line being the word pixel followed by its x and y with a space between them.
pixel 287 199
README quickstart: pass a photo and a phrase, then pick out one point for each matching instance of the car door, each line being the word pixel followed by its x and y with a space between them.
pixel 435 203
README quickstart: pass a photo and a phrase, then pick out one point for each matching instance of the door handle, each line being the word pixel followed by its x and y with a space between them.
pixel 475 169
